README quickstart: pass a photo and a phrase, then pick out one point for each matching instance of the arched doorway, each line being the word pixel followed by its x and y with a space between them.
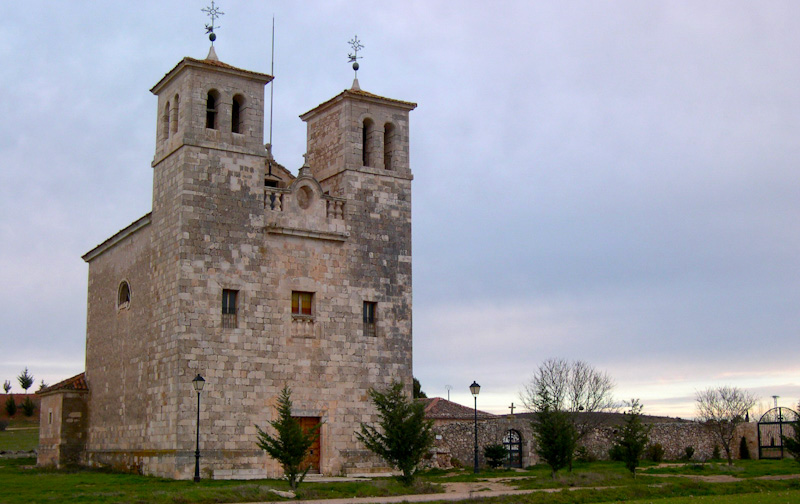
pixel 771 426
pixel 512 442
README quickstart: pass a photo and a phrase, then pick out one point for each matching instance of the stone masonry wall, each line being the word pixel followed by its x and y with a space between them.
pixel 62 428
pixel 117 356
pixel 455 440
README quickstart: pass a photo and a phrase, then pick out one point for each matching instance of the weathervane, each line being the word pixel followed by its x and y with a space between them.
pixel 354 57
pixel 214 13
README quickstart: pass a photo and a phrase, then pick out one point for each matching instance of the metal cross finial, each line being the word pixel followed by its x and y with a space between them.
pixel 354 57
pixel 214 13
pixel 512 408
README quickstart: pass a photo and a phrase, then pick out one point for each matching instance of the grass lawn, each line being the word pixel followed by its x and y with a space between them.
pixel 24 439
pixel 20 482
pixel 784 497
pixel 740 468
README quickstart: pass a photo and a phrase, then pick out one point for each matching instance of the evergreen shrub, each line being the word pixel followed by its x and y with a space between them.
pixel 11 406
pixel 28 407
pixel 655 452
pixel 495 455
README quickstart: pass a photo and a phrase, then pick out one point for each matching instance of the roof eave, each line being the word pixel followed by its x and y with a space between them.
pixel 207 64
pixel 118 237
pixel 358 96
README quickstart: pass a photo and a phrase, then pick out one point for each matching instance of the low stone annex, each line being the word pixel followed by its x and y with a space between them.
pixel 251 276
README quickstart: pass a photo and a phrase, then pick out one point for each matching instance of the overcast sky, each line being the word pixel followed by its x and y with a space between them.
pixel 609 181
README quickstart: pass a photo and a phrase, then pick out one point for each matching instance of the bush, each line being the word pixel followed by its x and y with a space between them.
pixel 615 453
pixel 689 453
pixel 582 454
pixel 11 406
pixel 654 452
pixel 456 463
pixel 402 435
pixel 3 425
pixel 291 443
pixel 744 451
pixel 495 455
pixel 27 407
pixel 716 455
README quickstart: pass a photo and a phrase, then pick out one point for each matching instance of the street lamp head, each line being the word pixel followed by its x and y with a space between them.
pixel 475 388
pixel 198 383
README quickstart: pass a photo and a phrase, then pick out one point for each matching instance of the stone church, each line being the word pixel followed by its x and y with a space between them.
pixel 250 276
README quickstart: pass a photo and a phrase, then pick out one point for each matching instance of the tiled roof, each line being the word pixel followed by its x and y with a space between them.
pixel 210 62
pixel 437 408
pixel 358 93
pixel 220 64
pixel 77 382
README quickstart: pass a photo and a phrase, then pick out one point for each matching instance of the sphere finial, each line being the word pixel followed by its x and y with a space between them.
pixel 354 57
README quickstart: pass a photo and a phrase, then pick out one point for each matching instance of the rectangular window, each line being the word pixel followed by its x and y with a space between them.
pixel 369 317
pixel 301 304
pixel 229 308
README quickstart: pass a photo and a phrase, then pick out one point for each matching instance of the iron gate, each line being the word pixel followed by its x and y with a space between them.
pixel 771 426
pixel 512 442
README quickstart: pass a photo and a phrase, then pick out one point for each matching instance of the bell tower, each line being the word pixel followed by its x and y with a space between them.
pixel 361 131
pixel 208 103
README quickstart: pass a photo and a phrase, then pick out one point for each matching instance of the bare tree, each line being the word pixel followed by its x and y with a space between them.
pixel 573 387
pixel 570 386
pixel 722 409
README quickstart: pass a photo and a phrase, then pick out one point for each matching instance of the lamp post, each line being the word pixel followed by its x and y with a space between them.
pixel 198 383
pixel 475 389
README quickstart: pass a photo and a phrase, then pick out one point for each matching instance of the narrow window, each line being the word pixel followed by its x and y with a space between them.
pixel 366 141
pixel 369 318
pixel 174 116
pixel 301 304
pixel 229 308
pixel 388 145
pixel 211 110
pixel 237 110
pixel 165 121
pixel 50 417
pixel 123 295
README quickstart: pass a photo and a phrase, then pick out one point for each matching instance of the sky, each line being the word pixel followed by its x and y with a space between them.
pixel 608 181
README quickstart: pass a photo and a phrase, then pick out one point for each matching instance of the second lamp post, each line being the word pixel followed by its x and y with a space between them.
pixel 475 389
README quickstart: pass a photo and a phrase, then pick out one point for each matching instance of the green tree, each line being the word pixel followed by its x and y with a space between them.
pixel 554 433
pixel 405 436
pixel 25 380
pixel 575 387
pixel 721 410
pixel 632 438
pixel 792 442
pixel 418 393
pixel 11 406
pixel 290 444
pixel 7 386
pixel 495 455
pixel 27 407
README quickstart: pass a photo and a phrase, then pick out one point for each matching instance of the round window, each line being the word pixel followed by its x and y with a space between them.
pixel 304 197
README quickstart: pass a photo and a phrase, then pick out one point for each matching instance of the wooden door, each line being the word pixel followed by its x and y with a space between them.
pixel 312 459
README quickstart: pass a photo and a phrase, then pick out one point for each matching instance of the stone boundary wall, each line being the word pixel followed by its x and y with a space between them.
pixel 455 440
